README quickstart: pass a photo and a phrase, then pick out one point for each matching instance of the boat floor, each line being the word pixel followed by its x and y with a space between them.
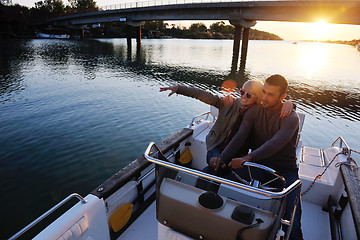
pixel 144 227
pixel 315 224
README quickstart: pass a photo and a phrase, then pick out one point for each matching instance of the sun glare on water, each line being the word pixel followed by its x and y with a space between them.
pixel 313 58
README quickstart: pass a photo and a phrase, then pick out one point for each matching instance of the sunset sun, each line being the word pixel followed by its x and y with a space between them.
pixel 321 30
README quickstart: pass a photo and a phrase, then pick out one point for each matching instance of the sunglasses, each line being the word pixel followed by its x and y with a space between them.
pixel 247 95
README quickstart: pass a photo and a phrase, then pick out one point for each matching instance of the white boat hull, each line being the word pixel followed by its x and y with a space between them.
pixel 53 36
pixel 135 184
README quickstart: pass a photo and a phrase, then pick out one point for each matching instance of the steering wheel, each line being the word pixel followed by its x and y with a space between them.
pixel 256 183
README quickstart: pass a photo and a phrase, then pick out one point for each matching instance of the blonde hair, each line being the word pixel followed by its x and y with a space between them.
pixel 255 87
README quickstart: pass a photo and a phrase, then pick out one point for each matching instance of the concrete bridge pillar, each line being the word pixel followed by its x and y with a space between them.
pixel 128 36
pixel 239 23
pixel 138 25
pixel 236 48
pixel 244 48
pixel 138 38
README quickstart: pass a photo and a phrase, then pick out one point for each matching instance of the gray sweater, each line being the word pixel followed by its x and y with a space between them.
pixel 273 140
pixel 229 109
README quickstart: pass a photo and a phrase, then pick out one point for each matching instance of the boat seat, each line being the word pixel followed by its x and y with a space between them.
pixel 179 208
pixel 313 162
pixel 76 231
pixel 301 124
pixel 312 156
pixel 214 111
pixel 198 148
pixel 82 221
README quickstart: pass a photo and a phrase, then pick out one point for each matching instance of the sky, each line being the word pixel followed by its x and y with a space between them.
pixel 287 30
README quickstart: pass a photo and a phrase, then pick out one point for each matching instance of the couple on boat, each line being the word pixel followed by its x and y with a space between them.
pixel 259 120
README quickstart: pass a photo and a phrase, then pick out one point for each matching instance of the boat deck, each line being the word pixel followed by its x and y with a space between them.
pixel 315 224
pixel 144 227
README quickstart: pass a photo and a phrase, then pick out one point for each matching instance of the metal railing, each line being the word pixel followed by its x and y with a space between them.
pixel 342 142
pixel 210 177
pixel 153 3
pixel 200 115
pixel 33 223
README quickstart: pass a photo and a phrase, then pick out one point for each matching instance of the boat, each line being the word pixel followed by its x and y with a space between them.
pixel 52 36
pixel 163 194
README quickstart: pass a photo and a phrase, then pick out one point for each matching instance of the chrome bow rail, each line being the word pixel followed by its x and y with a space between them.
pixel 345 149
pixel 33 223
pixel 200 115
pixel 170 165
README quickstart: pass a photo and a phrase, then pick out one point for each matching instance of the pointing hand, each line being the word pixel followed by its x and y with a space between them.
pixel 173 89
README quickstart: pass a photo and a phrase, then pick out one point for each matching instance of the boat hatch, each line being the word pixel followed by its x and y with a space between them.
pixel 197 204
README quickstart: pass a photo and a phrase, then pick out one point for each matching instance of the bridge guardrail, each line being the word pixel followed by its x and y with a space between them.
pixel 166 2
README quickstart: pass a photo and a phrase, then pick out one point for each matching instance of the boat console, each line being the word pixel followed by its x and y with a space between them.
pixel 198 205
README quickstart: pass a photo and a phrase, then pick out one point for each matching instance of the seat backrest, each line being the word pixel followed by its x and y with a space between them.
pixel 81 222
pixel 214 111
pixel 302 119
pixel 301 124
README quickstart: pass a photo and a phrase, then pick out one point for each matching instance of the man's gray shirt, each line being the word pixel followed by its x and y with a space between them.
pixel 273 140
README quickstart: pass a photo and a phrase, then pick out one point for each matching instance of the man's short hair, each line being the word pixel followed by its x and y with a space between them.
pixel 278 80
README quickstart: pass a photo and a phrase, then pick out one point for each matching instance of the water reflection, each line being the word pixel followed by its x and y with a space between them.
pixel 12 56
pixel 333 104
pixel 73 112
pixel 54 54
pixel 87 58
pixel 312 60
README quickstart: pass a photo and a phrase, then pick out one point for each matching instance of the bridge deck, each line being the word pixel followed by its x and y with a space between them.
pixel 343 12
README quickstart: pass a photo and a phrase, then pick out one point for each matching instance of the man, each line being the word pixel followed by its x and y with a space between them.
pixel 272 140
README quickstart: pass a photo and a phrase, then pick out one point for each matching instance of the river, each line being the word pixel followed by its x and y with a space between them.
pixel 73 113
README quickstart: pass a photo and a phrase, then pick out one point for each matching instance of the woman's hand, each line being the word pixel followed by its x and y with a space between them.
pixel 173 89
pixel 286 109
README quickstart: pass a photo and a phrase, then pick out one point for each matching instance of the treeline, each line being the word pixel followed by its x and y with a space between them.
pixel 51 8
pixel 354 42
pixel 17 20
pixel 217 30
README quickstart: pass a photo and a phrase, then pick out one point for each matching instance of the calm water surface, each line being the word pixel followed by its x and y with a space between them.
pixel 73 113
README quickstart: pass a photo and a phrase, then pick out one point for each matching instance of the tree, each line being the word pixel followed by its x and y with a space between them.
pixel 82 4
pixel 47 8
pixel 198 27
pixel 221 27
pixel 52 7
pixel 6 2
pixel 218 27
pixel 155 25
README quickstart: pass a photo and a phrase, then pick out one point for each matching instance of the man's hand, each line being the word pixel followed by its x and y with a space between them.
pixel 173 89
pixel 239 162
pixel 216 162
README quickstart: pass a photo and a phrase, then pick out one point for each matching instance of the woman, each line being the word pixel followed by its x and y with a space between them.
pixel 231 112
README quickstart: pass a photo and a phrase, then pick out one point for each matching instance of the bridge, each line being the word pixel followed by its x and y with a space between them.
pixel 242 14
pixel 342 12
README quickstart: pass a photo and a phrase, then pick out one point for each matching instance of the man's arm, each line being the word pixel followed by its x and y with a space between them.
pixel 239 139
pixel 289 126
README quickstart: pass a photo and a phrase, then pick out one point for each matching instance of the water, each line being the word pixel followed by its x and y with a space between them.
pixel 73 113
